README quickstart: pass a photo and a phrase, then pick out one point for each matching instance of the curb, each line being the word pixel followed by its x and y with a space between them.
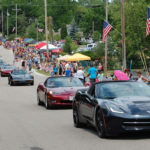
pixel 39 74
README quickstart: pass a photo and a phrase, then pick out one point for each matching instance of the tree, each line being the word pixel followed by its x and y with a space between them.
pixel 63 31
pixel 77 37
pixel 70 45
pixel 67 46
pixel 85 17
pixel 136 41
pixel 96 36
pixel 73 30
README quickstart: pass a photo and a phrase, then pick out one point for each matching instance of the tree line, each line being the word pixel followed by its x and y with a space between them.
pixel 85 18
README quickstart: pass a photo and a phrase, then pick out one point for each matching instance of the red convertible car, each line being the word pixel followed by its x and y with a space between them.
pixel 58 91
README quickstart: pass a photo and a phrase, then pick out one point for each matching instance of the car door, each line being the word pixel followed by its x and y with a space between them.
pixel 87 104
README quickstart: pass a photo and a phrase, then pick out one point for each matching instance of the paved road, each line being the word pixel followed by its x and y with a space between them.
pixel 26 126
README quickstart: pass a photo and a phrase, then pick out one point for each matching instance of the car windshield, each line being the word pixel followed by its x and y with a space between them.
pixel 7 67
pixel 90 45
pixel 120 89
pixel 19 72
pixel 64 82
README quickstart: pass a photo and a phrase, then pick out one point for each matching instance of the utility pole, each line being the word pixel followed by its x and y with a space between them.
pixel 50 28
pixel 16 18
pixel 7 22
pixel 106 42
pixel 123 36
pixel 93 25
pixel 2 23
pixel 46 32
pixel 37 31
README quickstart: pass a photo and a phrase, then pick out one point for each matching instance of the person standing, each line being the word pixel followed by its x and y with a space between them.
pixel 68 72
pixel 30 64
pixel 80 74
pixel 24 64
pixel 60 69
pixel 92 72
pixel 55 69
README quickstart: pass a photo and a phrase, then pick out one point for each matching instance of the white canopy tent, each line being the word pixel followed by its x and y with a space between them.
pixel 63 58
pixel 50 47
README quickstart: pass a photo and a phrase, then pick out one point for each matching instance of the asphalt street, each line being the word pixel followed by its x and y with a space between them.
pixel 26 126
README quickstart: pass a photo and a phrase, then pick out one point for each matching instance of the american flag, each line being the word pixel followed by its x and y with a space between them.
pixel 13 29
pixel 106 30
pixel 40 30
pixel 148 23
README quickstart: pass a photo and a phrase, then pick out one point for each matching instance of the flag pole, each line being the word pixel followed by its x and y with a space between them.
pixel 106 42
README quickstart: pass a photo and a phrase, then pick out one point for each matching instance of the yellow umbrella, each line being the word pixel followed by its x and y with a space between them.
pixel 78 57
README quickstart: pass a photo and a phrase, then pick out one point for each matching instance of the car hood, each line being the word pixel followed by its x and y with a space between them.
pixel 65 90
pixel 6 70
pixel 133 105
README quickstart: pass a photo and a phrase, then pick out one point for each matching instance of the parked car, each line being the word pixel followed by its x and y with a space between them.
pixel 20 76
pixel 58 91
pixel 113 107
pixel 82 49
pixel 91 46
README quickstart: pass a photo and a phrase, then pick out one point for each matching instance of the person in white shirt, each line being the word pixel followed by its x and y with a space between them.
pixel 80 74
pixel 66 66
pixel 140 77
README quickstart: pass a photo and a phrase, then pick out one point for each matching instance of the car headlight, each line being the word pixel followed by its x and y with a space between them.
pixel 50 92
pixel 113 108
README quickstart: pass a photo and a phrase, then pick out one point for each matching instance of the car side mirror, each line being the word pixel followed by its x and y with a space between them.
pixel 93 99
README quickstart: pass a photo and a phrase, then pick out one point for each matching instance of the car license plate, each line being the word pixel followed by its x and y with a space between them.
pixel 71 98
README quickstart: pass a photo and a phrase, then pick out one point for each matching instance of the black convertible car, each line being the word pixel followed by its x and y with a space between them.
pixel 19 76
pixel 113 107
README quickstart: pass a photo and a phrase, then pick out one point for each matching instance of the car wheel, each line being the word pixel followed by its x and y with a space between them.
pixel 47 105
pixel 76 120
pixel 11 83
pixel 38 100
pixel 100 124
pixel 32 83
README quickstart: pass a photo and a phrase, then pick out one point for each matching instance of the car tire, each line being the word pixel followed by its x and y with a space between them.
pixel 76 119
pixel 100 124
pixel 47 105
pixel 11 83
pixel 32 83
pixel 38 100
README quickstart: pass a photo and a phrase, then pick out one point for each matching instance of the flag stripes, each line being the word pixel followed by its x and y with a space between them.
pixel 148 23
pixel 106 30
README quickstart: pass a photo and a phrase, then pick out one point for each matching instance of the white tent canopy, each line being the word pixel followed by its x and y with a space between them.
pixel 63 58
pixel 50 47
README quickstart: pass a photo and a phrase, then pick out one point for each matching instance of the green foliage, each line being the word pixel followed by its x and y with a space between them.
pixel 31 31
pixel 73 30
pixel 63 31
pixel 135 18
pixel 96 36
pixel 90 54
pixel 67 46
pixel 57 37
pixel 77 37
pixel 70 45
pixel 86 16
